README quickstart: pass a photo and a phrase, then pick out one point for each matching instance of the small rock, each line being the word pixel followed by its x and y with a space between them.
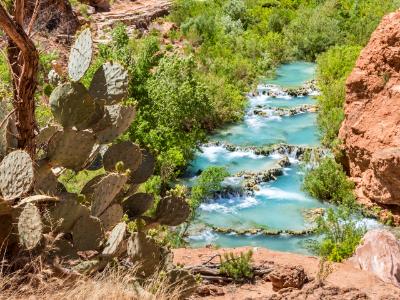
pixel 288 277
pixel 210 290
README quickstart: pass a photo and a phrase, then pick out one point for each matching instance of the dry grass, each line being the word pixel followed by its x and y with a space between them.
pixel 108 285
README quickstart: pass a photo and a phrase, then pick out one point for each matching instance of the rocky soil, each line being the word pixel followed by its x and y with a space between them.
pixel 371 129
pixel 293 276
pixel 134 14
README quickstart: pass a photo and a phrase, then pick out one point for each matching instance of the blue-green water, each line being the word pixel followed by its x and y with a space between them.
pixel 278 204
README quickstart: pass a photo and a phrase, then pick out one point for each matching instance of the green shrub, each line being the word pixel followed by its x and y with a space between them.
pixel 329 182
pixel 333 67
pixel 207 183
pixel 312 32
pixel 340 234
pixel 75 181
pixel 237 267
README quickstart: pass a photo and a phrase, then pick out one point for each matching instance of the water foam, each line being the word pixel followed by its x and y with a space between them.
pixel 278 194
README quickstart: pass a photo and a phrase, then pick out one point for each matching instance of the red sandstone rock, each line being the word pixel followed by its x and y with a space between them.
pixel 379 253
pixel 371 129
pixel 288 277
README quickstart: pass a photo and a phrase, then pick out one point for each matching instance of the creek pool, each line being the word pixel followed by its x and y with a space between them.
pixel 278 204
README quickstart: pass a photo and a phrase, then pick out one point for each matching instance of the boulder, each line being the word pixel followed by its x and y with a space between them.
pixel 56 17
pixel 379 253
pixel 288 277
pixel 370 131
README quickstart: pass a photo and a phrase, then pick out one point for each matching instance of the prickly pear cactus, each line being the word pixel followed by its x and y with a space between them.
pixel 45 134
pixel 87 121
pixel 111 216
pixel 126 152
pixel 172 210
pixel 146 253
pixel 30 227
pixel 65 213
pixel 109 84
pixel 80 55
pixel 45 180
pixel 72 106
pixel 16 175
pixel 137 204
pixel 117 119
pixel 115 240
pixel 105 191
pixel 70 148
pixel 145 170
pixel 87 233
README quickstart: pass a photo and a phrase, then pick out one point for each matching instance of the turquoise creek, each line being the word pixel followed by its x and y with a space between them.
pixel 277 205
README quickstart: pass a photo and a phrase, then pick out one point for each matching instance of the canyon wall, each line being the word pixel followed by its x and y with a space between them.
pixel 371 129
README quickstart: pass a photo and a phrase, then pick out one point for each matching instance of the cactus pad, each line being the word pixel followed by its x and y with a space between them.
pixel 145 170
pixel 137 204
pixel 16 175
pixel 172 211
pixel 144 251
pixel 89 187
pixel 36 199
pixel 45 180
pixel 182 280
pixel 126 152
pixel 70 148
pixel 64 249
pixel 105 191
pixel 116 120
pixel 111 216
pixel 46 134
pixel 72 105
pixel 64 214
pixel 87 233
pixel 109 84
pixel 80 55
pixel 115 240
pixel 30 227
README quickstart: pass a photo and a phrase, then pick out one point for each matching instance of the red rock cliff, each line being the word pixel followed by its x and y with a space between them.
pixel 371 129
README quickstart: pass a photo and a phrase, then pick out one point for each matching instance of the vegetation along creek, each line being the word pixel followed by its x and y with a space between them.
pixel 277 132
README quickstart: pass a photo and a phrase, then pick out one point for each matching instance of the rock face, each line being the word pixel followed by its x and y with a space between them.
pixel 55 17
pixel 371 129
pixel 379 253
pixel 288 277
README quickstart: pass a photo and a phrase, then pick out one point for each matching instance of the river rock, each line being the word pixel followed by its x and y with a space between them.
pixel 370 131
pixel 288 277
pixel 379 253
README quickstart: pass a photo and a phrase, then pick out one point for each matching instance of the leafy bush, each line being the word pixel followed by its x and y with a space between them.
pixel 237 267
pixel 329 182
pixel 207 183
pixel 340 234
pixel 312 32
pixel 333 67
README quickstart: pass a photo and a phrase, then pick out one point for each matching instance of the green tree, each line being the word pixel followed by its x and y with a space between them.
pixel 341 234
pixel 209 182
pixel 328 182
pixel 333 67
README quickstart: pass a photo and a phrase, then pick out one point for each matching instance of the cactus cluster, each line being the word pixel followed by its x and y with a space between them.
pixel 86 121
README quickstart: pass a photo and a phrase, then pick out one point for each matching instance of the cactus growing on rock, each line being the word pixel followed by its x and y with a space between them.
pixel 34 199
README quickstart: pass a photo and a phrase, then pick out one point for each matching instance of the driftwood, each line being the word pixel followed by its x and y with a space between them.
pixel 210 271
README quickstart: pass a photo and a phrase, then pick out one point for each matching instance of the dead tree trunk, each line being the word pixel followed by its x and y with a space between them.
pixel 24 61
